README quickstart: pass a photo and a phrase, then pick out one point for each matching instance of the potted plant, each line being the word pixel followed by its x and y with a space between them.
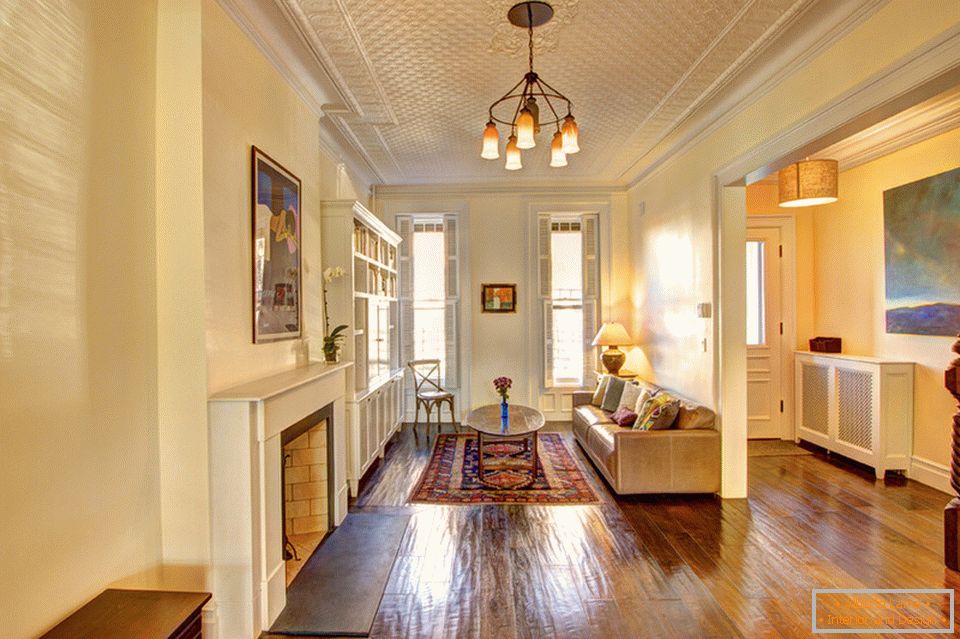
pixel 334 339
pixel 332 343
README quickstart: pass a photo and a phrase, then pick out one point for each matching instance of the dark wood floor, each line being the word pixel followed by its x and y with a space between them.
pixel 653 566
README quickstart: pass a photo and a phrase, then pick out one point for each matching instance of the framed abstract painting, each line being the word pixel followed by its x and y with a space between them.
pixel 276 251
pixel 921 225
pixel 498 298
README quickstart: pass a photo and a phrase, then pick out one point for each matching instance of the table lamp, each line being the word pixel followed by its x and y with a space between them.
pixel 612 334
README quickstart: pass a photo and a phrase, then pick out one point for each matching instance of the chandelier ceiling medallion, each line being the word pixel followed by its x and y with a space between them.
pixel 524 117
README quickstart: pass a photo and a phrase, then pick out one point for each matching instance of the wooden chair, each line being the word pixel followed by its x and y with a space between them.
pixel 430 394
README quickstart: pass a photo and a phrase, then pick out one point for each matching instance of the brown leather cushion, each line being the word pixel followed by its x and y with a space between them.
pixel 692 416
pixel 602 442
pixel 592 415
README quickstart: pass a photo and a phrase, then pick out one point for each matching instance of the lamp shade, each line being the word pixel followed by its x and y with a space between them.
pixel 513 155
pixel 525 126
pixel 571 135
pixel 557 156
pixel 612 334
pixel 808 183
pixel 491 142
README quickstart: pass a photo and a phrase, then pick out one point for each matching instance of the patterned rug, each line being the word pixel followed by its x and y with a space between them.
pixel 451 476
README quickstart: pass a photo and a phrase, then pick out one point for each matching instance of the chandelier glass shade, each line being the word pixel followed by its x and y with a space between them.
pixel 513 155
pixel 491 142
pixel 520 110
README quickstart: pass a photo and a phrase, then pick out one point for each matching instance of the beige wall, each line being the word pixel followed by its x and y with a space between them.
pixel 673 240
pixel 840 250
pixel 497 247
pixel 850 288
pixel 79 483
pixel 247 102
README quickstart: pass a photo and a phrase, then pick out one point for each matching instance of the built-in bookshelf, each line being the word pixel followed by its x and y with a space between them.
pixel 365 300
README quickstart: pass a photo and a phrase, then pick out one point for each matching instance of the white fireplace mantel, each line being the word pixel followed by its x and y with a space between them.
pixel 246 493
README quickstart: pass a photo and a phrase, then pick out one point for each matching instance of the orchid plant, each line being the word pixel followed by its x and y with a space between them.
pixel 333 340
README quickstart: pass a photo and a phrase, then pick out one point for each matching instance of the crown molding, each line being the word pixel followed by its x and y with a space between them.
pixel 922 122
pixel 545 189
pixel 272 32
pixel 928 71
pixel 811 33
pixel 283 47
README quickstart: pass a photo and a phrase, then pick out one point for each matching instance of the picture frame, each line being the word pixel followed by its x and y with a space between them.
pixel 921 220
pixel 498 298
pixel 276 250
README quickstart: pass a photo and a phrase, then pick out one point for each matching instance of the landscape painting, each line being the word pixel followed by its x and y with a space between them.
pixel 276 250
pixel 922 245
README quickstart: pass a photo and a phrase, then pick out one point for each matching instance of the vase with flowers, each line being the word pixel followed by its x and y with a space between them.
pixel 333 340
pixel 503 384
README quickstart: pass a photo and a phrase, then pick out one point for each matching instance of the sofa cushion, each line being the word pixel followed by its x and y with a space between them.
pixel 611 397
pixel 658 413
pixel 644 385
pixel 590 415
pixel 629 396
pixel 602 442
pixel 601 389
pixel 693 416
pixel 643 398
pixel 624 417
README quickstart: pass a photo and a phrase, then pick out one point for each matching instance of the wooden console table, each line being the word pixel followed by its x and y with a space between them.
pixel 136 614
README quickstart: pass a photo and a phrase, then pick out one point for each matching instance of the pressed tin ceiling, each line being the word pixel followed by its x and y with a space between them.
pixel 416 76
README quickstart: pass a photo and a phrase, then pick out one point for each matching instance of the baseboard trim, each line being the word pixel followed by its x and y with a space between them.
pixel 930 473
pixel 208 619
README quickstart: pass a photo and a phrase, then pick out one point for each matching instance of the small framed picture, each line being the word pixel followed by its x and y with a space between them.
pixel 498 298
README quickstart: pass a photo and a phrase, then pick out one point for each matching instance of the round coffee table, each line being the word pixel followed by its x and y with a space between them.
pixel 523 423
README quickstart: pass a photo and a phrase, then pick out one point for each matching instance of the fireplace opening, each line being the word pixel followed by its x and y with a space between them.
pixel 306 466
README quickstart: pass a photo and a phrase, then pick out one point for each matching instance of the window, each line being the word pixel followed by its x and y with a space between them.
pixel 429 291
pixel 569 279
pixel 566 259
pixel 755 301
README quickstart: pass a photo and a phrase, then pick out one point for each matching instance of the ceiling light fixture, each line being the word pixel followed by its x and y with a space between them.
pixel 525 122
pixel 808 183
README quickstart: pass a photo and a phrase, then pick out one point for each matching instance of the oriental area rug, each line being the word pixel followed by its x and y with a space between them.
pixel 451 476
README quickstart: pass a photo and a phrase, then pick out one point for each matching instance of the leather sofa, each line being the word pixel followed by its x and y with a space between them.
pixel 682 459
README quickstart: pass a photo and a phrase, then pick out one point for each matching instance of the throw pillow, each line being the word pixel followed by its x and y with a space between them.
pixel 629 397
pixel 659 413
pixel 644 397
pixel 624 417
pixel 601 389
pixel 611 397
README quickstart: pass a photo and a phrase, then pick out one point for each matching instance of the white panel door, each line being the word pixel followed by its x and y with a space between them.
pixel 764 333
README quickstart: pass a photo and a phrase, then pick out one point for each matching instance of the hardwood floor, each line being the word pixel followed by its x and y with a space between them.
pixel 653 566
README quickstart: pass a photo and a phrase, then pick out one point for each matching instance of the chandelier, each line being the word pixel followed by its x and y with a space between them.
pixel 524 121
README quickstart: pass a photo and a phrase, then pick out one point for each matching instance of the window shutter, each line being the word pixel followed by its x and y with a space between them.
pixel 547 305
pixel 591 292
pixel 545 267
pixel 405 268
pixel 543 249
pixel 451 315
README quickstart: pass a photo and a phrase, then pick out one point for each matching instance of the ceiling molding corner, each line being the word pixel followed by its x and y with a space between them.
pixel 563 190
pixel 813 32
